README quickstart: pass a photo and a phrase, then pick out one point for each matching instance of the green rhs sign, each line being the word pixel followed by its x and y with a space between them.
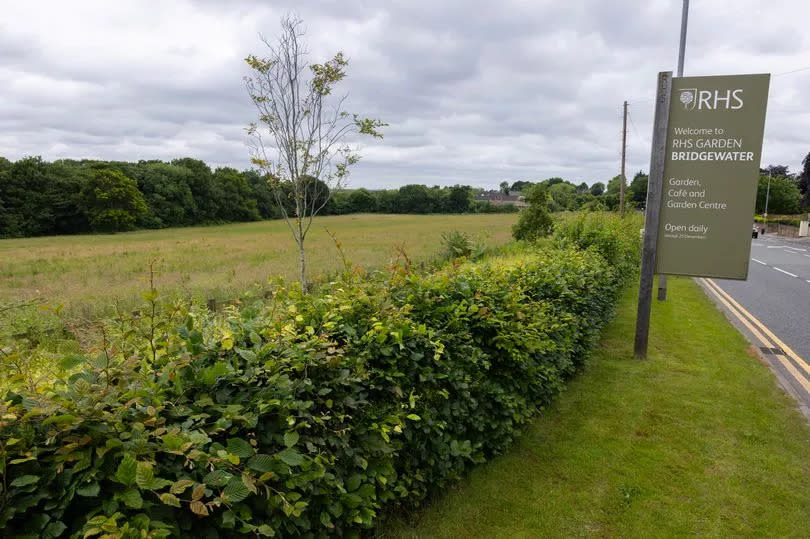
pixel 714 143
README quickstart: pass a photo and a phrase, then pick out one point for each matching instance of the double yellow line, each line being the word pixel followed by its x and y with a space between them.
pixel 763 334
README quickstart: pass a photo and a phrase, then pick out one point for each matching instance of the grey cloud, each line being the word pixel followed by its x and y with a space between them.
pixel 474 92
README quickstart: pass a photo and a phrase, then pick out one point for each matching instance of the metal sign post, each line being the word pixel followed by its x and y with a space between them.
pixel 662 279
pixel 653 211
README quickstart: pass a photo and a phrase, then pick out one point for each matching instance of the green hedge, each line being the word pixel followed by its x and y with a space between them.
pixel 780 220
pixel 309 414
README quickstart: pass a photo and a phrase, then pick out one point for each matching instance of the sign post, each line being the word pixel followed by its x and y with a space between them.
pixel 653 211
pixel 704 172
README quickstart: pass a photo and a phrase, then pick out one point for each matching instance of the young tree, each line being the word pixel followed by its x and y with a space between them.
pixel 534 222
pixel 306 128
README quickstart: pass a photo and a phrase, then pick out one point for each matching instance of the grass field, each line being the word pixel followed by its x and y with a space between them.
pixel 86 273
pixel 696 441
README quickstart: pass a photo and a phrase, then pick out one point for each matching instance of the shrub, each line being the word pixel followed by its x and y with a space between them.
pixel 457 244
pixel 534 222
pixel 308 414
pixel 614 237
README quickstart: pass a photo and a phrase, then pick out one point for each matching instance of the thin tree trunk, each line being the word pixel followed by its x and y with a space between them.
pixel 302 266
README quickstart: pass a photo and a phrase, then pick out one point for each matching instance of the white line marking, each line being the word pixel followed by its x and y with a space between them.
pixel 775 246
pixel 797 249
pixel 808 280
pixel 785 272
pixel 759 261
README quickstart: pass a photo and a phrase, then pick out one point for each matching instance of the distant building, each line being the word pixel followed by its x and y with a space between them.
pixel 496 198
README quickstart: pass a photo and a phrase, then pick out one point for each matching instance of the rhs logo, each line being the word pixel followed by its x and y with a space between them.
pixel 692 99
pixel 688 98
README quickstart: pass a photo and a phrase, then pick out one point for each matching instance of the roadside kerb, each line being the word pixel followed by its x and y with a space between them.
pixel 777 348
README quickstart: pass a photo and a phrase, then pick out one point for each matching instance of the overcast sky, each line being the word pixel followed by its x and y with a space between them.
pixel 474 92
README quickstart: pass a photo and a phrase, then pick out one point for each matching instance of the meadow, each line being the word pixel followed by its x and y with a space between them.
pixel 87 273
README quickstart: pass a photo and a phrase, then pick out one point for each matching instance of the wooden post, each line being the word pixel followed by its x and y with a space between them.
pixel 662 288
pixel 653 212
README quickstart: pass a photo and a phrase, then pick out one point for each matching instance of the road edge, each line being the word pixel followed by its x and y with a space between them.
pixel 783 382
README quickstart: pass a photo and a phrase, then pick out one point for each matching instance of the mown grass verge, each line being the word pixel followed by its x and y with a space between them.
pixel 696 441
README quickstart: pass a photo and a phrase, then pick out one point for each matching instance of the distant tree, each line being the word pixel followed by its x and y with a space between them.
pixel 263 194
pixel 361 201
pixel 387 201
pixel 614 184
pixel 306 126
pixel 597 189
pixel 504 187
pixel 611 196
pixel 236 202
pixel 167 191
pixel 582 188
pixel 775 170
pixel 41 198
pixel 552 181
pixel 534 222
pixel 521 185
pixel 804 182
pixel 638 189
pixel 562 196
pixel 459 199
pixel 113 201
pixel 784 196
pixel 201 182
pixel 5 210
pixel 414 198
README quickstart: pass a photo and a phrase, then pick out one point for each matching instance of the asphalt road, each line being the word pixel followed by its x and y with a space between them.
pixel 777 295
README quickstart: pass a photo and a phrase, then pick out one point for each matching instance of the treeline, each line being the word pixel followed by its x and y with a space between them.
pixel 782 192
pixel 563 195
pixel 75 196
pixel 779 191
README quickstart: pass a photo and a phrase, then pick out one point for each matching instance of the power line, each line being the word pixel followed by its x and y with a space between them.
pixel 793 71
pixel 635 130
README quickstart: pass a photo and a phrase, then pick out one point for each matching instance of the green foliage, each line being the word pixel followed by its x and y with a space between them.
pixel 614 237
pixel 783 220
pixel 304 414
pixel 803 181
pixel 638 189
pixel 597 189
pixel 41 198
pixel 535 221
pixel 784 196
pixel 562 197
pixel 456 244
pixel 113 201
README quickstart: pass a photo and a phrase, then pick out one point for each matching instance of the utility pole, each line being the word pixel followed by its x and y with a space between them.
pixel 624 154
pixel 662 279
